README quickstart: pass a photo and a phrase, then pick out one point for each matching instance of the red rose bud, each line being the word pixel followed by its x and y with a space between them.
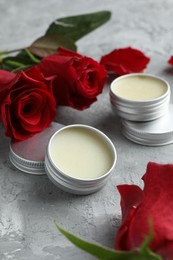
pixel 154 203
pixel 77 80
pixel 170 61
pixel 125 60
pixel 27 105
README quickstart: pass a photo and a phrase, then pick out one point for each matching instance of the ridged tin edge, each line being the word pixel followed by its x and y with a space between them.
pixel 31 167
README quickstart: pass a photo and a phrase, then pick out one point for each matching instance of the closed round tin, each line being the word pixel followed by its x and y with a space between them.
pixel 79 159
pixel 28 155
pixel 153 133
pixel 139 97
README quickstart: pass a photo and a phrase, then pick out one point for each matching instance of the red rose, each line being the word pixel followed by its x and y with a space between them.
pixel 154 202
pixel 27 105
pixel 77 79
pixel 125 60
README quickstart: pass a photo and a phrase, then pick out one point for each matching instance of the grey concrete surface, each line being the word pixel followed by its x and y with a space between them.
pixel 30 204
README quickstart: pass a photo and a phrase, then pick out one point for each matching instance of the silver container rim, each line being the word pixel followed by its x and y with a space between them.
pixel 148 142
pixel 25 165
pixel 125 123
pixel 139 106
pixel 121 99
pixel 146 137
pixel 74 179
pixel 79 188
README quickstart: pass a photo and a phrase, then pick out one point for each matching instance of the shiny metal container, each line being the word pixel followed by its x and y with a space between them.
pixel 28 155
pixel 33 156
pixel 153 133
pixel 78 185
pixel 139 110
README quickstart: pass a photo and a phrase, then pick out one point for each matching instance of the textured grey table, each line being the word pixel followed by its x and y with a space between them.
pixel 30 204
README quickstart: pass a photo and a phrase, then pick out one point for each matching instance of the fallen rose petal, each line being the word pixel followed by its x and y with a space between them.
pixel 170 61
pixel 125 60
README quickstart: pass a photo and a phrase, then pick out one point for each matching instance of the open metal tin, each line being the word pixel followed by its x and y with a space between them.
pixel 87 158
pixel 35 156
pixel 131 106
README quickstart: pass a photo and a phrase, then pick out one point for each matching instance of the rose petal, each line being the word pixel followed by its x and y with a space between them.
pixel 29 107
pixel 66 52
pixel 166 250
pixel 122 240
pixel 170 61
pixel 125 60
pixel 131 196
pixel 6 77
pixel 54 64
pixel 157 205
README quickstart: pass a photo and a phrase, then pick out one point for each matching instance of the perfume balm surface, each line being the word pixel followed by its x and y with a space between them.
pixel 81 153
pixel 139 88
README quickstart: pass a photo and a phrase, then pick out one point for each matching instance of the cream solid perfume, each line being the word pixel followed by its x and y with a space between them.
pixel 139 96
pixel 139 88
pixel 79 159
pixel 81 153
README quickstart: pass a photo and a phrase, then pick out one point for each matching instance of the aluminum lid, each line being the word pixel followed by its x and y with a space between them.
pixel 153 133
pixel 29 155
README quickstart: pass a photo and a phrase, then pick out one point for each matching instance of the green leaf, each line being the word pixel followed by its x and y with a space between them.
pixel 76 27
pixel 61 33
pixel 49 44
pixel 105 253
pixel 2 53
pixel 31 56
pixel 21 61
pixel 6 67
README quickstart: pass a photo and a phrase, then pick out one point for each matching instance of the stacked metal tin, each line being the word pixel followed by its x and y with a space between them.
pixel 146 116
